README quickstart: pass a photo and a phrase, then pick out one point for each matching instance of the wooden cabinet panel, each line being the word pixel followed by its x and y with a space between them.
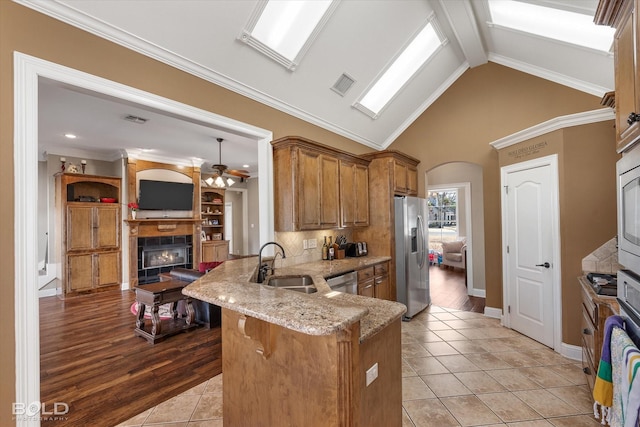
pixel 329 192
pixel 399 177
pixel 107 227
pixel 79 228
pixel 626 83
pixel 361 176
pixel 215 251
pixel 347 194
pixel 309 195
pixel 79 272
pixel 412 181
pixel 108 270
pixel 366 288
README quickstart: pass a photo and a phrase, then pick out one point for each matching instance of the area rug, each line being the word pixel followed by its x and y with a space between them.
pixel 164 311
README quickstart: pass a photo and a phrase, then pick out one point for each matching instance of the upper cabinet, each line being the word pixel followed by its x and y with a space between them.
pixel 318 187
pixel 401 170
pixel 623 16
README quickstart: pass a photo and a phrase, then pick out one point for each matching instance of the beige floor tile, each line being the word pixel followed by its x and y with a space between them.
pixel 445 385
pixel 472 315
pixel 451 335
pixel 209 407
pixel 498 332
pixel 176 409
pixel 438 326
pixel 197 390
pixel 459 324
pixel 508 407
pixel 487 361
pixel 214 385
pixel 445 316
pixel 545 403
pixel 534 423
pixel 469 410
pixel 457 363
pixel 440 348
pixel 512 379
pixel 517 359
pixel 407 370
pixel 138 420
pixel 483 322
pixel 495 345
pixel 473 333
pixel 572 372
pixel 406 420
pixel 479 382
pixel 548 357
pixel 407 338
pixel 414 388
pixel 435 309
pixel 468 346
pixel 578 396
pixel 426 336
pixel 414 350
pixel 429 413
pixel 544 376
pixel 426 365
pixel 575 421
pixel 204 423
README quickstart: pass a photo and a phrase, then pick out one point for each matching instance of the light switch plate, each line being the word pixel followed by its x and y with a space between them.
pixel 372 373
pixel 313 243
pixel 305 244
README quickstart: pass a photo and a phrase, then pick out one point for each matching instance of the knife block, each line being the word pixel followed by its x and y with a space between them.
pixel 340 254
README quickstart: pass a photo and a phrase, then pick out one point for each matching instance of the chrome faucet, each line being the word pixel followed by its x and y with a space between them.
pixel 263 269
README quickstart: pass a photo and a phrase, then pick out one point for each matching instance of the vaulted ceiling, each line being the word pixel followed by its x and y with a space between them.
pixel 361 37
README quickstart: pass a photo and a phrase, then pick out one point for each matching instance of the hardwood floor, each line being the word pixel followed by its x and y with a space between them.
pixel 448 290
pixel 91 360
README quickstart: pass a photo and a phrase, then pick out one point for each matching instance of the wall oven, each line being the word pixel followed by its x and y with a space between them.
pixel 628 195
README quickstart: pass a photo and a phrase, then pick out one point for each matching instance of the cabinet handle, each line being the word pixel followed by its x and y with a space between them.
pixel 633 117
pixel 586 331
pixel 586 370
pixel 367 287
pixel 378 281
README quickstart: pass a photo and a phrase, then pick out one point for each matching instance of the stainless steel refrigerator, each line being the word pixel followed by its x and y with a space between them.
pixel 412 254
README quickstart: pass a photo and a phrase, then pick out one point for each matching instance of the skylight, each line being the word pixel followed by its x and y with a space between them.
pixel 402 69
pixel 571 27
pixel 284 30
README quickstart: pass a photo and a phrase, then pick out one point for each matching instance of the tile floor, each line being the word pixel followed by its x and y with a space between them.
pixel 459 369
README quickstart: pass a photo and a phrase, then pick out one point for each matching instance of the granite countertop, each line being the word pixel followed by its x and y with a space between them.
pixel 322 313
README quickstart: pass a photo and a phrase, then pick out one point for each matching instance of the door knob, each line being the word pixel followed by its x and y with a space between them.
pixel 545 265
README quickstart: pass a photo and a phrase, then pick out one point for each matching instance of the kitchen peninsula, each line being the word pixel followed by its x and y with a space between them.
pixel 326 358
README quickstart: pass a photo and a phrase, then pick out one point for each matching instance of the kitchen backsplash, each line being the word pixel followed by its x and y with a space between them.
pixel 293 243
pixel 603 260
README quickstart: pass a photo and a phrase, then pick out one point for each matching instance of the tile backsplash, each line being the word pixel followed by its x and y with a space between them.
pixel 293 243
pixel 603 260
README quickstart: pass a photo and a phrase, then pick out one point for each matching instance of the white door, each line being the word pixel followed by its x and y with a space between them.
pixel 228 224
pixel 530 212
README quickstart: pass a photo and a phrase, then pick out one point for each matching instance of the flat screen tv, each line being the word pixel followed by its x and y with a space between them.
pixel 165 196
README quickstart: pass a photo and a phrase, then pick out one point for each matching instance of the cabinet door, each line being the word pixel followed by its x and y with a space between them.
pixel 347 194
pixel 222 251
pixel 330 192
pixel 79 228
pixel 382 287
pixel 412 181
pixel 208 252
pixel 308 191
pixel 399 177
pixel 79 272
pixel 107 267
pixel 362 195
pixel 366 288
pixel 625 83
pixel 107 230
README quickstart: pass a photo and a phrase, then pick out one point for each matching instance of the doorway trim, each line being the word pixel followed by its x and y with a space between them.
pixel 552 162
pixel 27 71
pixel 468 225
pixel 245 217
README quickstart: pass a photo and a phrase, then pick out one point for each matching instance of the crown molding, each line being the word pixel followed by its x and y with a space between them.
pixel 554 124
pixel 543 73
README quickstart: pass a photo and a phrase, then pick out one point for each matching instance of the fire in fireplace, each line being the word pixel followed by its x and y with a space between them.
pixel 161 254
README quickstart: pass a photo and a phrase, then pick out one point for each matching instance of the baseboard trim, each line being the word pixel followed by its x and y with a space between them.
pixel 47 293
pixel 571 351
pixel 493 312
pixel 480 293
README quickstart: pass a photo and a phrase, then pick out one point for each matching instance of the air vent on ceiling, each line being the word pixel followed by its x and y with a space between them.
pixel 343 84
pixel 136 119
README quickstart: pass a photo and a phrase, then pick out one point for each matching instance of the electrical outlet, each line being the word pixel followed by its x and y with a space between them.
pixel 372 373
pixel 305 244
pixel 313 243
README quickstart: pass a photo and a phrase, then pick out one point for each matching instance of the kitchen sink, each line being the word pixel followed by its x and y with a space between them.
pixel 303 283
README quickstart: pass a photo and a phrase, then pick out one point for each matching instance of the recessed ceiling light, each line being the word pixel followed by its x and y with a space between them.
pixel 70 136
pixel 146 150
pixel 245 166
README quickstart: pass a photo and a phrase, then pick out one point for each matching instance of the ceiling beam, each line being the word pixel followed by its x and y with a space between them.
pixel 463 23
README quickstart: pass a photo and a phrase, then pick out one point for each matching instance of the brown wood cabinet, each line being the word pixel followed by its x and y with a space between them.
pixel 89 232
pixel 212 213
pixel 595 310
pixel 318 187
pixel 624 17
pixel 215 251
pixel 374 282
pixel 405 178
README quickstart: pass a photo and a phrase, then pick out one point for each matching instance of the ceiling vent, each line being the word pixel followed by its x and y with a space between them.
pixel 343 84
pixel 136 119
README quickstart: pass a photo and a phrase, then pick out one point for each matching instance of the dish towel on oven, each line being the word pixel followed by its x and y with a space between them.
pixel 603 387
pixel 625 359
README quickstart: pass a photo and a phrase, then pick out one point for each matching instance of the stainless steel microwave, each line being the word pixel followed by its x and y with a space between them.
pixel 628 170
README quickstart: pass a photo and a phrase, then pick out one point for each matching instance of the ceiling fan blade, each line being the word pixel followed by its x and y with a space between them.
pixel 241 173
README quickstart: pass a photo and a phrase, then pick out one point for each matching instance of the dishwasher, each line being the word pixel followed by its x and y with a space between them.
pixel 345 282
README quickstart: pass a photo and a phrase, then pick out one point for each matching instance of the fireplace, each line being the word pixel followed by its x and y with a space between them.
pixel 162 254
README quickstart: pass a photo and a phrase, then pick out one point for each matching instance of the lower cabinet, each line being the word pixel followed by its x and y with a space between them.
pixel 373 281
pixel 87 272
pixel 215 251
pixel 595 310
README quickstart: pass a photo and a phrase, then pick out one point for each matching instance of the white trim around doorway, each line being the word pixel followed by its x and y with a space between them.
pixel 27 71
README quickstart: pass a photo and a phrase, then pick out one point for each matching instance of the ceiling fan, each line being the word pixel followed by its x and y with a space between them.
pixel 220 169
